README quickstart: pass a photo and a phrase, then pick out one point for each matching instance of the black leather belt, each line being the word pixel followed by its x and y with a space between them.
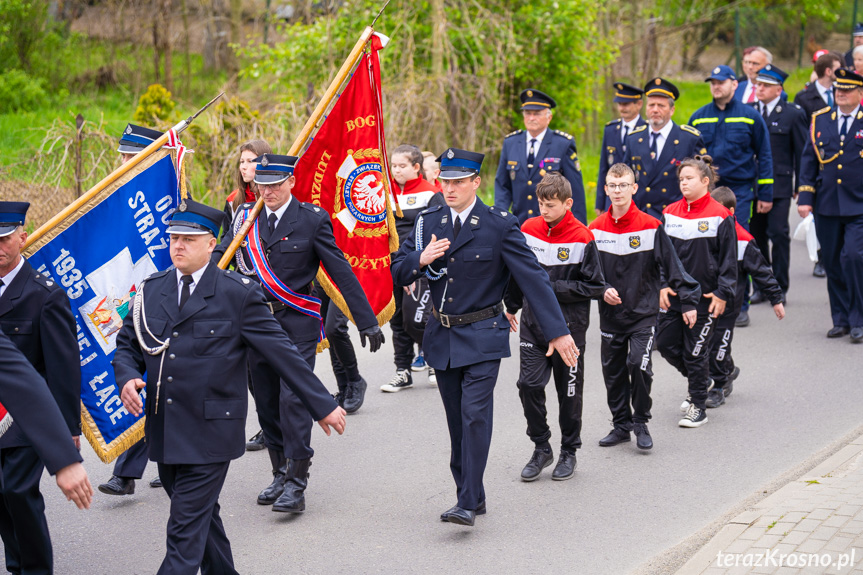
pixel 276 306
pixel 468 318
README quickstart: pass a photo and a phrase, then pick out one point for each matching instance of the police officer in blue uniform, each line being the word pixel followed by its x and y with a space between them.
pixel 830 174
pixel 296 239
pixel 469 251
pixel 629 103
pixel 132 462
pixel 654 150
pixel 25 395
pixel 190 331
pixel 787 124
pixel 736 136
pixel 35 312
pixel 528 154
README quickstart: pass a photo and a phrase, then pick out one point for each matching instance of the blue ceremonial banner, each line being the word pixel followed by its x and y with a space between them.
pixel 100 254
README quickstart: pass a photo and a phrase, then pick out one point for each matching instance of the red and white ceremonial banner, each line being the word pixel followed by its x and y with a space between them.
pixel 345 171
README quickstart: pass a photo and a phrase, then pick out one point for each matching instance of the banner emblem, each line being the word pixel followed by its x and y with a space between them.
pixel 363 192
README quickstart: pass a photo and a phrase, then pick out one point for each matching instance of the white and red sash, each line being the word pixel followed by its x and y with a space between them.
pixel 304 304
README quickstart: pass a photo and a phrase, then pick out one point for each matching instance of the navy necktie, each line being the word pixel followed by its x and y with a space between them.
pixel 653 137
pixel 530 154
pixel 271 224
pixel 186 291
pixel 456 227
pixel 844 130
pixel 625 133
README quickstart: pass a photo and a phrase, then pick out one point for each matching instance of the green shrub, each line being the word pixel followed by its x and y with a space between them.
pixel 155 104
pixel 20 93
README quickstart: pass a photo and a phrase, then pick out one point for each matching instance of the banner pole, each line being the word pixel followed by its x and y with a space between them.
pixel 111 178
pixel 322 106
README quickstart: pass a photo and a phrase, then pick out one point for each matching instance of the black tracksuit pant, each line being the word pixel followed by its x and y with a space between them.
pixel 628 371
pixel 688 350
pixel 534 372
pixel 721 363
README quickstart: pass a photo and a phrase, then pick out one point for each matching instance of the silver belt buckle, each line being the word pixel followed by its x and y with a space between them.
pixel 444 319
pixel 270 305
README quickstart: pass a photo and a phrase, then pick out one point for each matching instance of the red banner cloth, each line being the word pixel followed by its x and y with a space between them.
pixel 345 171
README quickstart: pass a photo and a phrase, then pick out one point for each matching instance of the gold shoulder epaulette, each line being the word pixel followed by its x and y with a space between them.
pixel 514 133
pixel 617 121
pixel 564 134
pixel 821 111
pixel 640 128
pixel 690 129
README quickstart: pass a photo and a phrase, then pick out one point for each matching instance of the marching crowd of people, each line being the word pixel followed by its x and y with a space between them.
pixel 692 227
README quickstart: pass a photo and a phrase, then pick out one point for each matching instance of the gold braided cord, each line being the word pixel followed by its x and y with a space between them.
pixel 109 452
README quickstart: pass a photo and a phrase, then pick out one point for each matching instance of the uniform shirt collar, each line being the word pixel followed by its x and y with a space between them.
pixel 771 104
pixel 822 91
pixel 631 125
pixel 853 113
pixel 463 214
pixel 281 211
pixel 10 277
pixel 666 129
pixel 538 139
pixel 196 277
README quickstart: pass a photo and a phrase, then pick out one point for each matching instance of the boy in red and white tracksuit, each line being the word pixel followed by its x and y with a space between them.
pixel 750 261
pixel 566 250
pixel 702 232
pixel 635 253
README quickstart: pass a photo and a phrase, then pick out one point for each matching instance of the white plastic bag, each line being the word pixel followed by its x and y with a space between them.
pixel 805 230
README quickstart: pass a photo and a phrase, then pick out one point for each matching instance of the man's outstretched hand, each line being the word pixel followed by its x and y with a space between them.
pixel 565 346
pixel 336 420
pixel 75 485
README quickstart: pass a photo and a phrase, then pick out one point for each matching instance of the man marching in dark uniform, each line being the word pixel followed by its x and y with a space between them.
pixel 832 166
pixel 479 249
pixel 35 313
pixel 629 103
pixel 787 125
pixel 287 245
pixel 654 150
pixel 132 462
pixel 190 331
pixel 528 154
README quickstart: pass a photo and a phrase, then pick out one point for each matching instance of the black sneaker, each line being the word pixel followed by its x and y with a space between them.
pixel 715 398
pixel 695 417
pixel 565 467
pixel 256 443
pixel 402 380
pixel 354 395
pixel 538 461
pixel 642 436
pixel 742 319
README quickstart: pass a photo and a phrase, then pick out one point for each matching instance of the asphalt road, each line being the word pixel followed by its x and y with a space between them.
pixel 375 493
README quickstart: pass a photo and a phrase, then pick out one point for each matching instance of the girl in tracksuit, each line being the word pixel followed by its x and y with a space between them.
pixel 702 231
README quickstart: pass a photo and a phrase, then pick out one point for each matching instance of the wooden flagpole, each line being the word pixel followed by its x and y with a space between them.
pixel 112 177
pixel 322 106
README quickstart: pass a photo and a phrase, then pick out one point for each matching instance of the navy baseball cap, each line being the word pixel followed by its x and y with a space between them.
pixel 136 138
pixel 625 93
pixel 456 164
pixel 721 73
pixel 771 74
pixel 274 169
pixel 195 218
pixel 12 215
pixel 535 100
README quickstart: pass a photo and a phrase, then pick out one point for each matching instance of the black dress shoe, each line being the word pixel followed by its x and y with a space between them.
pixel 819 271
pixel 857 335
pixel 461 516
pixel 156 482
pixel 742 319
pixel 838 331
pixel 538 461
pixel 756 298
pixel 565 467
pixel 118 486
pixel 256 443
pixel 616 436
pixel 642 436
pixel 480 510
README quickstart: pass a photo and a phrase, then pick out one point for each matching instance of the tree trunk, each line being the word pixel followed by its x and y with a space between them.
pixel 216 34
pixel 184 5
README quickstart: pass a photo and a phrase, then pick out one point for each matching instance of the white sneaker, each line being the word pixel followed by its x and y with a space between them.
pixel 684 407
pixel 402 380
pixel 695 417
pixel 432 377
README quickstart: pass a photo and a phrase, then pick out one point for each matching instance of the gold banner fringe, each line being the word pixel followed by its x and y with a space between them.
pixel 108 452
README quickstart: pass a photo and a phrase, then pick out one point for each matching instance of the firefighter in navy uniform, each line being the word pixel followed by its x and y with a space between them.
pixel 787 125
pixel 528 154
pixel 295 239
pixel 654 150
pixel 35 313
pixel 190 331
pixel 469 251
pixel 830 173
pixel 132 462
pixel 629 100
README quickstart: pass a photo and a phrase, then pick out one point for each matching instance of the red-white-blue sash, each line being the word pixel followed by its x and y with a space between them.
pixel 304 304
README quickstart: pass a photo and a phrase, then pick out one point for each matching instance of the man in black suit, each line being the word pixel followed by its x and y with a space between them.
pixel 35 313
pixel 190 330
pixel 787 125
pixel 25 395
pixel 289 243
pixel 816 96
